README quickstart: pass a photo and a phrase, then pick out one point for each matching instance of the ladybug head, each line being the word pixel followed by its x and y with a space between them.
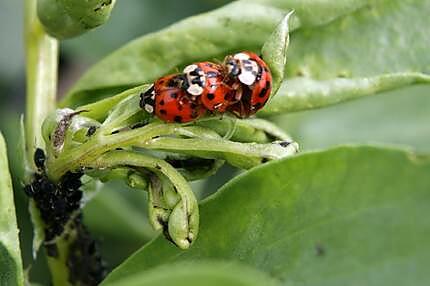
pixel 195 79
pixel 147 100
pixel 242 67
pixel 232 65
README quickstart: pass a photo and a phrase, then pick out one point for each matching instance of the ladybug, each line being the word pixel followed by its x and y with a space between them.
pixel 171 103
pixel 251 79
pixel 206 79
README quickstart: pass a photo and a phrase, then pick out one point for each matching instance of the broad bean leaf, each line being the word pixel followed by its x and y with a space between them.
pixel 381 46
pixel 336 40
pixel 384 36
pixel 10 255
pixel 347 216
pixel 303 93
pixel 274 51
pixel 208 273
pixel 398 117
pixel 241 25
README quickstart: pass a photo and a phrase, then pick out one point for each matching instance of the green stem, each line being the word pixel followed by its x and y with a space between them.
pixel 147 137
pixel 41 72
pixel 184 217
pixel 41 75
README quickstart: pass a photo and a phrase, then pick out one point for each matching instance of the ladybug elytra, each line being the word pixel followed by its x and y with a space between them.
pixel 171 103
pixel 251 79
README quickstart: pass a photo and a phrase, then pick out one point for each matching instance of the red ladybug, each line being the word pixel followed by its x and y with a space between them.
pixel 251 79
pixel 169 102
pixel 206 79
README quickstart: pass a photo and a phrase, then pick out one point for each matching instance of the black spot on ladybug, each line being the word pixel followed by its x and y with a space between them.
pixel 211 74
pixel 210 96
pixel 257 105
pixel 263 92
pixel 162 111
pixel 39 158
pixel 197 81
pixel 259 74
pixel 195 72
pixel 173 95
pixel 161 102
pixel 178 119
pixel 172 82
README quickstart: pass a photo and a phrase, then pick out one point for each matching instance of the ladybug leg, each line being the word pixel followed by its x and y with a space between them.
pixel 242 110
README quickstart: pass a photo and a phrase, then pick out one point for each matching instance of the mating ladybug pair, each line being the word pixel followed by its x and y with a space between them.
pixel 240 85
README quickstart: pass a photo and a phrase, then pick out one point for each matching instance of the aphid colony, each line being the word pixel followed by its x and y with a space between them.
pixel 240 85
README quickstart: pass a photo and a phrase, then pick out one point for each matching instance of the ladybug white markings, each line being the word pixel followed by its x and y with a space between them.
pixel 147 100
pixel 249 69
pixel 196 79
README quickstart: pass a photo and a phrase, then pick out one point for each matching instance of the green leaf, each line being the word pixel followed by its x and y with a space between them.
pixel 302 93
pixel 242 25
pixel 274 52
pixel 10 255
pixel 385 36
pixel 337 50
pixel 347 216
pixel 208 273
pixel 399 117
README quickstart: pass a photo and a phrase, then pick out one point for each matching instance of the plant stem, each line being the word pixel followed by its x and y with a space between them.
pixel 41 74
pixel 244 155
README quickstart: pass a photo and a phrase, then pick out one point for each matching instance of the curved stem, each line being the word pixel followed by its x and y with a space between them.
pixel 183 219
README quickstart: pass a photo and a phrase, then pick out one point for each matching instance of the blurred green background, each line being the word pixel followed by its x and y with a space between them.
pixel 117 215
